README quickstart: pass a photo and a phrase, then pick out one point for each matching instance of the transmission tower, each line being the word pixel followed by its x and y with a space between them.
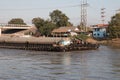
pixel 103 15
pixel 83 22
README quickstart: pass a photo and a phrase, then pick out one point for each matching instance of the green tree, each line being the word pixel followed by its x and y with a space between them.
pixel 47 28
pixel 38 22
pixel 114 26
pixel 17 21
pixel 44 27
pixel 59 18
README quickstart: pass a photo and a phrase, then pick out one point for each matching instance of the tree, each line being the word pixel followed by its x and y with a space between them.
pixel 38 22
pixel 44 27
pixel 114 26
pixel 16 21
pixel 47 28
pixel 59 18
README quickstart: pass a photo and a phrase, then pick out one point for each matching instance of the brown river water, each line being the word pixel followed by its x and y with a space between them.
pixel 101 64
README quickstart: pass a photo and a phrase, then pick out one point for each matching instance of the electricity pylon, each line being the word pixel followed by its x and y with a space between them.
pixel 103 15
pixel 83 23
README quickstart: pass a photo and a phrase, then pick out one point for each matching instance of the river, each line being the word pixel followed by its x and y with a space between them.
pixel 101 64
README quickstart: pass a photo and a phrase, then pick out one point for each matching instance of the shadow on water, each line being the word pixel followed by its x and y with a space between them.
pixel 101 64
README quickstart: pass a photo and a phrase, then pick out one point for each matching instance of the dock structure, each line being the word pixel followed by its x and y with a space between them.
pixel 44 44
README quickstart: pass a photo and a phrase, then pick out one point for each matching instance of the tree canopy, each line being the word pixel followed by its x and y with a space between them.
pixel 17 21
pixel 38 22
pixel 44 26
pixel 114 26
pixel 59 19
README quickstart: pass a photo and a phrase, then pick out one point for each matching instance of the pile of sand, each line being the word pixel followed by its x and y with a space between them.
pixel 91 40
pixel 117 40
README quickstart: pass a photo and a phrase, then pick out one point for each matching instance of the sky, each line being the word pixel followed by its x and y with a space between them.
pixel 29 9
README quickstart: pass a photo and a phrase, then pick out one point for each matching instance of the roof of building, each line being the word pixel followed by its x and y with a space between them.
pixel 66 29
pixel 100 26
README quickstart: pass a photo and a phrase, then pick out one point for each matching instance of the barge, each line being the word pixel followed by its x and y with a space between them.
pixel 45 44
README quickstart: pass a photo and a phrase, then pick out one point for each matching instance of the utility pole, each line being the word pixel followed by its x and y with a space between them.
pixel 103 15
pixel 83 23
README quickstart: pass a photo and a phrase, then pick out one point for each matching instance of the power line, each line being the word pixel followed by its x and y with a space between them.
pixel 44 8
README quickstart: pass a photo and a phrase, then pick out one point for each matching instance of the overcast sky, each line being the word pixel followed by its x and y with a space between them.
pixel 28 9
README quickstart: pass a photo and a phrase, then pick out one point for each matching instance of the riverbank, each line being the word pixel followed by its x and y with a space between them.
pixel 112 41
pixel 116 41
